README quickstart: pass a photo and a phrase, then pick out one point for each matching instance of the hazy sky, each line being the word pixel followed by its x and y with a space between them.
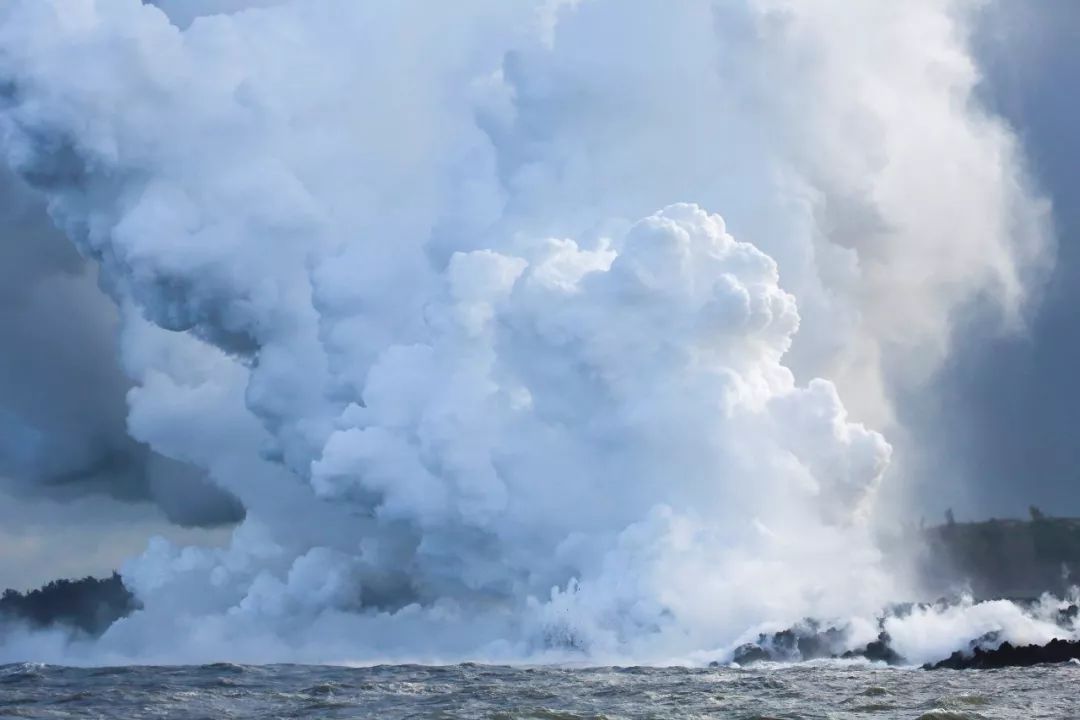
pixel 1005 413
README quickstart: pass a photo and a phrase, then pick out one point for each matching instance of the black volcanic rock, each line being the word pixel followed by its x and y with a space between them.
pixel 877 651
pixel 1009 655
pixel 749 654
pixel 808 641
pixel 811 639
pixel 89 605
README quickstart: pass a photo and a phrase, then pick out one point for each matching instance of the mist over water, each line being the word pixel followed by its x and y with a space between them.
pixel 534 331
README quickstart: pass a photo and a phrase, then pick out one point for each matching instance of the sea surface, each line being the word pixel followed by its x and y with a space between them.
pixel 548 693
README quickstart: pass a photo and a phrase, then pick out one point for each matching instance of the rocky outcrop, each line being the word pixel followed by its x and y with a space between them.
pixel 1009 655
pixel 810 641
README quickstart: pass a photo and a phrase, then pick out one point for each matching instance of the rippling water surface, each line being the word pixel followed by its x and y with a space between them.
pixel 477 691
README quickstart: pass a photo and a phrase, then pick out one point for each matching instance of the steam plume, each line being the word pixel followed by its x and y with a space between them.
pixel 440 294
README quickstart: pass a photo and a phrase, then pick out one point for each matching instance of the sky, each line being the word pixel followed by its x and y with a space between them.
pixel 1007 405
pixel 994 426
pixel 82 496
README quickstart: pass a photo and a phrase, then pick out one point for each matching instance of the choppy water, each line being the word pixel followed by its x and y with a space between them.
pixel 477 691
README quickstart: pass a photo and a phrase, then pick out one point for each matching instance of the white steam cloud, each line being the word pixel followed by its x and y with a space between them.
pixel 439 293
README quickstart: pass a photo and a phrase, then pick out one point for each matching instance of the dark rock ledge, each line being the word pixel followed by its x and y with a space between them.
pixel 1009 655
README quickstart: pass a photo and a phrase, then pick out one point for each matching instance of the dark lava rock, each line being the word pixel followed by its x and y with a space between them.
pixel 1009 655
pixel 750 653
pixel 877 651
pixel 808 641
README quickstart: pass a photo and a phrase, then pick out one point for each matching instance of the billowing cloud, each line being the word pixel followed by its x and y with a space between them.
pixel 440 293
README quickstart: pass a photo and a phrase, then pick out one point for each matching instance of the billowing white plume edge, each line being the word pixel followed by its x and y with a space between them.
pixel 437 292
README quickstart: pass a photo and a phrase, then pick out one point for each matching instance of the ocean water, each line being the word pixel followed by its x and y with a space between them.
pixel 826 690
